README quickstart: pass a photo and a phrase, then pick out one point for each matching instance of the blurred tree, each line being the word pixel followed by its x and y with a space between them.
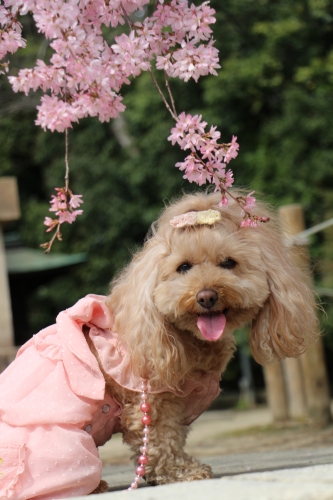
pixel 274 91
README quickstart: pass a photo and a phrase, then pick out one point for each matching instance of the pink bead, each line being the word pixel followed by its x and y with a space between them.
pixel 144 385
pixel 145 440
pixel 143 459
pixel 144 395
pixel 146 420
pixel 141 471
pixel 144 449
pixel 146 430
pixel 145 407
pixel 133 486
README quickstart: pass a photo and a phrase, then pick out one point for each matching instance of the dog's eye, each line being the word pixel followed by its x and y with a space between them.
pixel 228 263
pixel 183 268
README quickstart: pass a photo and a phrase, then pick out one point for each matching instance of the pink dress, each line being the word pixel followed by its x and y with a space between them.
pixel 54 411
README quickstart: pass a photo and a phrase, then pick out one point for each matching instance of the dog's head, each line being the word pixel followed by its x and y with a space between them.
pixel 202 282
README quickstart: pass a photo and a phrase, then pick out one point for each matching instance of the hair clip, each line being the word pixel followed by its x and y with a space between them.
pixel 196 218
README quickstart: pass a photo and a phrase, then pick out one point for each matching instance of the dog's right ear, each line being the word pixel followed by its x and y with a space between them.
pixel 287 323
pixel 137 321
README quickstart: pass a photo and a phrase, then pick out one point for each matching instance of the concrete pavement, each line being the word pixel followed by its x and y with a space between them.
pixel 265 466
pixel 287 474
pixel 308 483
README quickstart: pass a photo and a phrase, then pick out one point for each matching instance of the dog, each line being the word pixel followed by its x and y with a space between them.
pixel 169 320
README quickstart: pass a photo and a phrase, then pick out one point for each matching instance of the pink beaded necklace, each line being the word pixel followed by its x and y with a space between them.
pixel 146 421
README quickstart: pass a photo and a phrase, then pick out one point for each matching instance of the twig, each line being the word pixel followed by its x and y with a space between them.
pixel 170 94
pixel 174 116
pixel 47 246
pixel 173 110
pixel 126 16
pixel 236 199
pixel 66 161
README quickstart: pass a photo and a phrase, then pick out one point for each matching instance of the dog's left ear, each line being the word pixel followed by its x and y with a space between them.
pixel 287 323
pixel 153 349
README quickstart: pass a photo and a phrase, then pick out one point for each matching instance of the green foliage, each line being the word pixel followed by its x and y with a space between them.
pixel 274 91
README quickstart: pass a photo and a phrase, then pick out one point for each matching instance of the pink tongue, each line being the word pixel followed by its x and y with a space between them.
pixel 211 326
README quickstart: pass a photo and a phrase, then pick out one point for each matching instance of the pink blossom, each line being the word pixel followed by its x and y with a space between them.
pixel 85 75
pixel 250 202
pixel 198 21
pixel 228 180
pixel 75 200
pixel 224 201
pixel 90 71
pixel 193 62
pixel 247 222
pixel 4 16
pixel 55 114
pixel 208 150
pixel 207 162
pixel 57 203
pixel 232 150
pixel 188 131
pixel 63 204
pixel 52 223
pixel 66 216
pixel 199 176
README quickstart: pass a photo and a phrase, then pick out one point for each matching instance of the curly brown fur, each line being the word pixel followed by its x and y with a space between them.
pixel 155 311
pixel 101 488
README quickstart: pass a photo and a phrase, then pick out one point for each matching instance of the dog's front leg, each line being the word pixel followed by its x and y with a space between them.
pixel 168 462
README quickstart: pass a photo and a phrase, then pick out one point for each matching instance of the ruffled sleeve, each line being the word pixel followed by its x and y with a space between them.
pixel 55 377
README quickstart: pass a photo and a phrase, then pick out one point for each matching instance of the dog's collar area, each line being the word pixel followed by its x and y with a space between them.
pixel 208 217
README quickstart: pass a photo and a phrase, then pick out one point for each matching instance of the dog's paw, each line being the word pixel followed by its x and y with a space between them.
pixel 202 471
pixel 181 472
pixel 103 487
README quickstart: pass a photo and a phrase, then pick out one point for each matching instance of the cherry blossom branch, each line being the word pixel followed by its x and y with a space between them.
pixel 64 204
pixel 85 75
pixel 207 162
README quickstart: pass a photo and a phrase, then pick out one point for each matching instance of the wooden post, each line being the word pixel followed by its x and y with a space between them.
pixel 275 388
pixel 309 373
pixel 9 211
pixel 294 388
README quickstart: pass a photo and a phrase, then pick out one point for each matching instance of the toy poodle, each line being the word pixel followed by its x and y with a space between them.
pixel 158 345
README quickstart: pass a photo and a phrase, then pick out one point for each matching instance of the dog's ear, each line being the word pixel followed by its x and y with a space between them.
pixel 287 323
pixel 155 352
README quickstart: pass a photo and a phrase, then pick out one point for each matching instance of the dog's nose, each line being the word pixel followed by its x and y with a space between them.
pixel 207 298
